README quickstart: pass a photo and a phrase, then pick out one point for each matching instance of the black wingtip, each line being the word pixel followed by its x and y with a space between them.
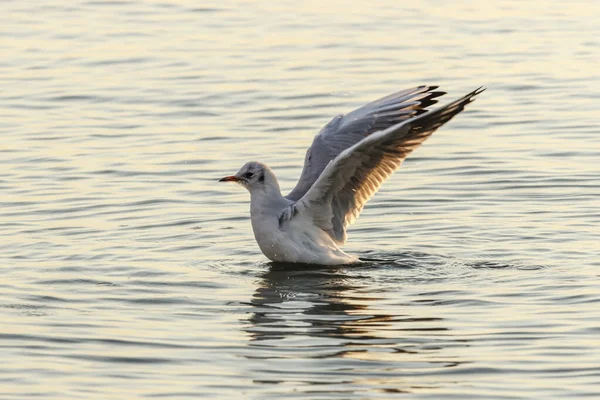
pixel 480 89
pixel 429 121
pixel 469 98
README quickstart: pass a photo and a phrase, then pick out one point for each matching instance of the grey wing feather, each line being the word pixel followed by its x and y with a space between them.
pixel 348 182
pixel 345 131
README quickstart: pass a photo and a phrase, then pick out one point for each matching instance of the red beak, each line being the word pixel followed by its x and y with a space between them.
pixel 229 179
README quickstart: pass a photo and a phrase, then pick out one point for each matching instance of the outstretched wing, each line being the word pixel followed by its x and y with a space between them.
pixel 345 131
pixel 352 178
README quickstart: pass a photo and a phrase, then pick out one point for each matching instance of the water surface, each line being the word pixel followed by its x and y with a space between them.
pixel 129 273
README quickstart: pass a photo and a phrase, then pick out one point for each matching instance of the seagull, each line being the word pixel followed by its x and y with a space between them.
pixel 348 161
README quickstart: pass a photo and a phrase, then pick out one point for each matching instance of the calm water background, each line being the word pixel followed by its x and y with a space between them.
pixel 129 273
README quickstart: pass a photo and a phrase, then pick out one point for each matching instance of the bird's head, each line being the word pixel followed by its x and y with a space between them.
pixel 253 176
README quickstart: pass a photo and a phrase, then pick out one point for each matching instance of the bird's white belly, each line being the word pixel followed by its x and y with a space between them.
pixel 298 241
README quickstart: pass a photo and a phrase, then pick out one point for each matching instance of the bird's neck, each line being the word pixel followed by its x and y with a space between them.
pixel 267 199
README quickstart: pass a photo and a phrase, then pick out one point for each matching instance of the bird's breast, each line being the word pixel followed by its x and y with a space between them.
pixel 271 238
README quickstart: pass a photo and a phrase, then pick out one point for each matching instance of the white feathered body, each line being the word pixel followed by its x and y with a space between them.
pixel 297 240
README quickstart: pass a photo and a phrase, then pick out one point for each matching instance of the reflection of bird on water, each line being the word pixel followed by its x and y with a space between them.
pixel 305 300
pixel 315 301
pixel 323 325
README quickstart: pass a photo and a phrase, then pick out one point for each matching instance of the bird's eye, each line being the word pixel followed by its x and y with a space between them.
pixel 248 175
